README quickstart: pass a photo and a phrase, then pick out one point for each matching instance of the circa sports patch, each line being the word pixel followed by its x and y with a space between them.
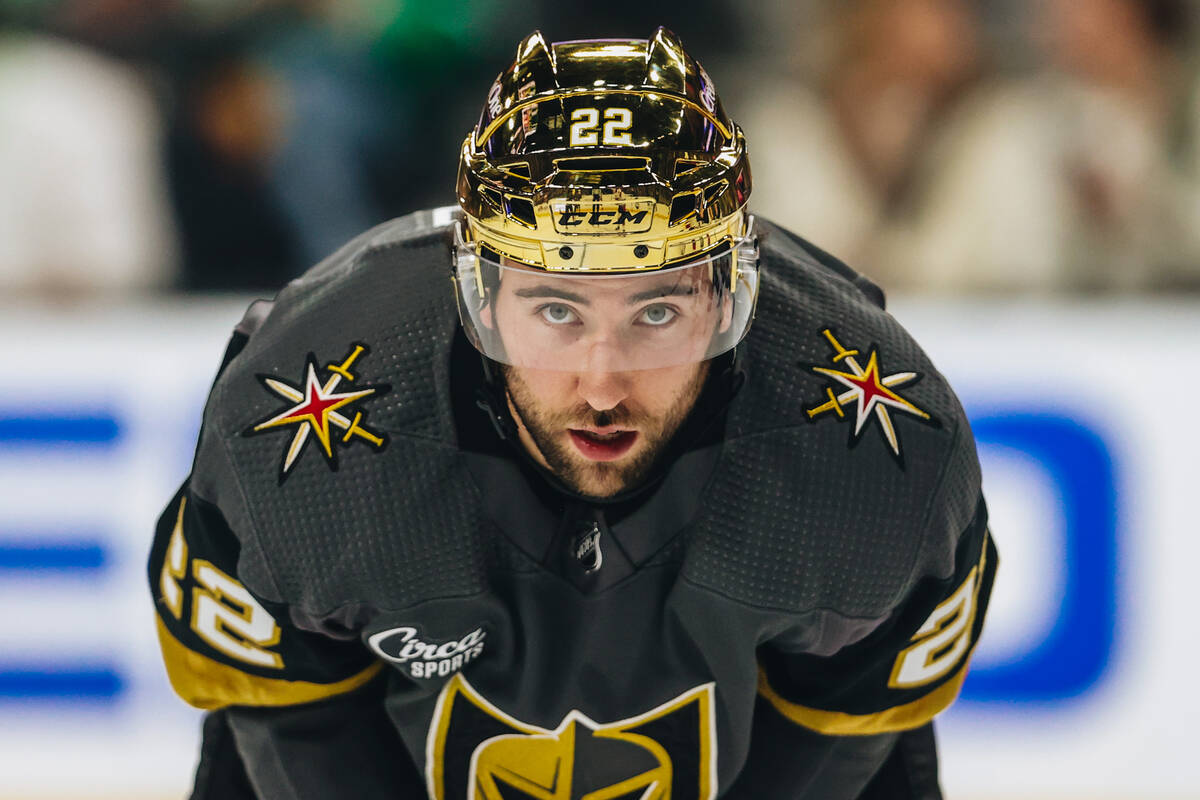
pixel 427 659
pixel 872 394
pixel 316 407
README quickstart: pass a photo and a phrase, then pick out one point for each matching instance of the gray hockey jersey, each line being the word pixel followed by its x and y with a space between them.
pixel 388 601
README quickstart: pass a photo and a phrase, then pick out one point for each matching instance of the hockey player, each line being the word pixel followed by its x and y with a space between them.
pixel 567 525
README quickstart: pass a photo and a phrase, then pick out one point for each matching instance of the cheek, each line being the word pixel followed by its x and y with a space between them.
pixel 548 391
pixel 658 391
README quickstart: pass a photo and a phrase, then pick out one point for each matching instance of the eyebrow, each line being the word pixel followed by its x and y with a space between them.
pixel 677 290
pixel 543 291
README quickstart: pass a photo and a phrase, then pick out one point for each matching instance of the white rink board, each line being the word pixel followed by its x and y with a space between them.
pixel 1130 371
pixel 1124 375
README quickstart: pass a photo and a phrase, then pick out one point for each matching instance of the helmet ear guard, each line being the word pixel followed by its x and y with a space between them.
pixel 745 255
pixel 465 263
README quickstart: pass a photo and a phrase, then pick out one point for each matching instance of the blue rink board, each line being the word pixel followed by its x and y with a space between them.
pixel 57 552
pixel 1071 660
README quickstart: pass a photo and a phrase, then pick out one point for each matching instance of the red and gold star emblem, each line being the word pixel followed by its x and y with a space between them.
pixel 871 392
pixel 316 406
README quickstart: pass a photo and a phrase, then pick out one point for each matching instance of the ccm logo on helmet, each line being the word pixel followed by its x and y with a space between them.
pixel 427 659
pixel 623 218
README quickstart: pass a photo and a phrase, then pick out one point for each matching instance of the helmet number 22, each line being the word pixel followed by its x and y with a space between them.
pixel 586 128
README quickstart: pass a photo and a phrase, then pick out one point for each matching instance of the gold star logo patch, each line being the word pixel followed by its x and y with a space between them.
pixel 867 389
pixel 317 408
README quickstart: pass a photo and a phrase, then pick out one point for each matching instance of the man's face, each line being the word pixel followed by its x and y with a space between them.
pixel 627 356
pixel 601 433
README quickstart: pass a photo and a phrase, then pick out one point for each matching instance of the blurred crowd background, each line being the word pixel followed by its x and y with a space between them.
pixel 1024 147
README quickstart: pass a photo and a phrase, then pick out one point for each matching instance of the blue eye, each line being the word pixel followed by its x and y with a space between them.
pixel 658 315
pixel 557 314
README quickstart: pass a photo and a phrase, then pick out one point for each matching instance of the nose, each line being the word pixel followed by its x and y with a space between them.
pixel 601 383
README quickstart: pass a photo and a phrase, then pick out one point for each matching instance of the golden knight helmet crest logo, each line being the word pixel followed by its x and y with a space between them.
pixel 477 752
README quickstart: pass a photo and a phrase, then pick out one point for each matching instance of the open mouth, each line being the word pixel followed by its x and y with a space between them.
pixel 602 446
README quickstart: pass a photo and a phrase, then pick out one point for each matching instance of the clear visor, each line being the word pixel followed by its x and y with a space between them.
pixel 588 322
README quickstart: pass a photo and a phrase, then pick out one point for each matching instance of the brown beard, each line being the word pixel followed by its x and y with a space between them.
pixel 599 479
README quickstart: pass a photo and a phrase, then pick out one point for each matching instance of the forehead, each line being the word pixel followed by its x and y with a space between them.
pixel 682 280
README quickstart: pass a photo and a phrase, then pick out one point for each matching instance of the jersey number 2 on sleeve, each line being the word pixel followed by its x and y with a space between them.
pixel 224 613
pixel 939 644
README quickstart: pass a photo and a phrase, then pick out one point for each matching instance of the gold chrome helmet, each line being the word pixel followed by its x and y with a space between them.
pixel 603 193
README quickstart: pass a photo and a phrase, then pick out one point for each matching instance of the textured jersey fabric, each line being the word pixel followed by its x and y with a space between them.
pixel 812 577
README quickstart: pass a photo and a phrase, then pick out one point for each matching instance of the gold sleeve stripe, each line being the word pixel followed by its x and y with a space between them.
pixel 205 683
pixel 898 718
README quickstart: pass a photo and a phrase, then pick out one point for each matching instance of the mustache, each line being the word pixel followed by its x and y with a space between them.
pixel 586 416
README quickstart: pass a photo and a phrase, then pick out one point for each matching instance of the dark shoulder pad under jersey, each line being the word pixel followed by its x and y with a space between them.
pixel 328 434
pixel 849 470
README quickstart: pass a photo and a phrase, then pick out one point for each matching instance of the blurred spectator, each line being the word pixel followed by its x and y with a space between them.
pixel 712 29
pixel 432 59
pixel 332 134
pixel 1071 179
pixel 910 158
pixel 225 131
pixel 82 206
pixel 133 31
pixel 302 124
pixel 275 128
pixel 837 157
